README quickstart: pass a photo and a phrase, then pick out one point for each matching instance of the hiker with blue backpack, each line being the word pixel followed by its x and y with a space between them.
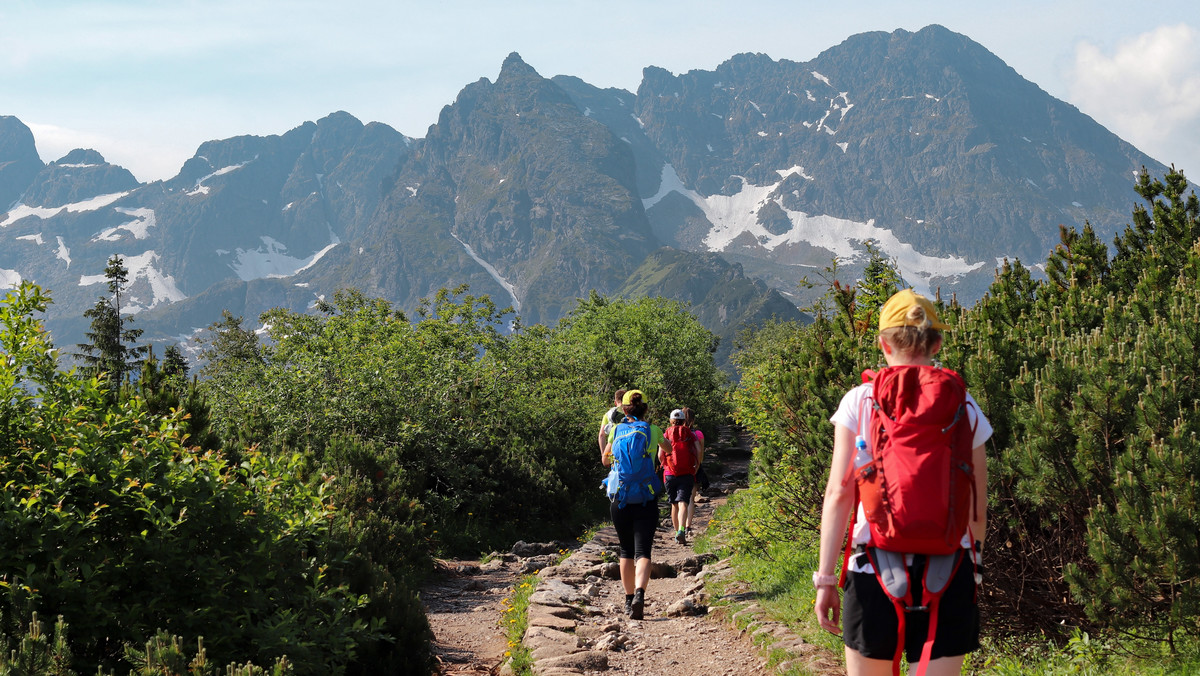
pixel 909 466
pixel 633 487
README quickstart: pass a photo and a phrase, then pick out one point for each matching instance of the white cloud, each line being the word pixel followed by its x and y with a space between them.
pixel 1147 91
pixel 149 158
pixel 54 141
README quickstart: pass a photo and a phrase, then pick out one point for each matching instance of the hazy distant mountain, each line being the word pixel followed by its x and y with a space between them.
pixel 537 191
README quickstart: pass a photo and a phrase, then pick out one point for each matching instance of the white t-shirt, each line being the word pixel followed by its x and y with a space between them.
pixel 847 415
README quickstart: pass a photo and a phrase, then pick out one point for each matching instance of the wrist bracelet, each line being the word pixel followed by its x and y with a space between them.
pixel 820 580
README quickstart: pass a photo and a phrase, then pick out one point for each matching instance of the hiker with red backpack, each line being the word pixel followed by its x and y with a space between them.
pixel 909 464
pixel 679 462
pixel 633 488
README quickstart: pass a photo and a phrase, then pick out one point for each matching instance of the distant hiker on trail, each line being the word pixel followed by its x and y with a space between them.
pixel 701 477
pixel 909 462
pixel 679 460
pixel 634 487
pixel 611 417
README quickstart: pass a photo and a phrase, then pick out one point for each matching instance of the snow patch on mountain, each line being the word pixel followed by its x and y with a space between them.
pixel 668 184
pixel 142 268
pixel 63 253
pixel 201 189
pixel 736 214
pixel 512 290
pixel 270 261
pixel 822 78
pixel 36 239
pixel 143 220
pixel 21 211
pixel 797 170
pixel 9 279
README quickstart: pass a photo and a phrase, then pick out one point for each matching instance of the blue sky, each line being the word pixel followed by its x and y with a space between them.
pixel 146 81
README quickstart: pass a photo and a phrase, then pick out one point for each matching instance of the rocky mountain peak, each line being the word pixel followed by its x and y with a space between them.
pixel 515 67
pixel 81 156
pixel 19 160
pixel 16 141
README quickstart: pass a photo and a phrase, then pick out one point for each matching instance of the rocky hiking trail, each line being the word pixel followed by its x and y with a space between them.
pixel 576 614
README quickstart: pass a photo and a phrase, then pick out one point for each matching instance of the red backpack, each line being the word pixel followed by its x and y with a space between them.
pixel 918 488
pixel 682 460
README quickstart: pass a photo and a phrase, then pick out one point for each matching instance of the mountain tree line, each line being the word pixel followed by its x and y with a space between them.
pixel 1087 374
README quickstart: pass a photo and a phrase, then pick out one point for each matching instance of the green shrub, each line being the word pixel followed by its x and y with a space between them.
pixel 488 436
pixel 109 520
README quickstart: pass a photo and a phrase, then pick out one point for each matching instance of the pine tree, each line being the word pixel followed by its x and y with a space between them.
pixel 164 387
pixel 174 364
pixel 1157 241
pixel 112 350
pixel 881 278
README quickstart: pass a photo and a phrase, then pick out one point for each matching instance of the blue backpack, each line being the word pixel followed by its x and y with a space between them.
pixel 633 478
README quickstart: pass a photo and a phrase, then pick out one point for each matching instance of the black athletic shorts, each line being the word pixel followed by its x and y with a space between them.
pixel 869 619
pixel 635 526
pixel 679 487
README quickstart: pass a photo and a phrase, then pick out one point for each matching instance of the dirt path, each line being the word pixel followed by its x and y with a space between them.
pixel 465 603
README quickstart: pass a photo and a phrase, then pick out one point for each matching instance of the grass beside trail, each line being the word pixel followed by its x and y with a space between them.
pixel 781 578
pixel 1082 655
pixel 515 620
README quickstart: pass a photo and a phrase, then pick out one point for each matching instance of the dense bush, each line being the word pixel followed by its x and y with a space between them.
pixel 485 436
pixel 110 520
pixel 655 345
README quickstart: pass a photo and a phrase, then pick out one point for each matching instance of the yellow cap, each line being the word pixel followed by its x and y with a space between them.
pixel 628 398
pixel 895 311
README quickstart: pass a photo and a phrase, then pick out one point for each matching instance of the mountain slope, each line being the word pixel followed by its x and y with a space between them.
pixel 518 193
pixel 721 296
pixel 924 141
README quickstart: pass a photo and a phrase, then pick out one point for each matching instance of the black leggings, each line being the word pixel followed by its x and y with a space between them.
pixel 635 526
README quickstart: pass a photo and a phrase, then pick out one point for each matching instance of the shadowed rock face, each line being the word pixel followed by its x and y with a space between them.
pixel 19 161
pixel 515 177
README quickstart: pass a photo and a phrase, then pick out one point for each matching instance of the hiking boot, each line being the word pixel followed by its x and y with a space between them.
pixel 638 604
pixel 628 604
pixel 680 537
